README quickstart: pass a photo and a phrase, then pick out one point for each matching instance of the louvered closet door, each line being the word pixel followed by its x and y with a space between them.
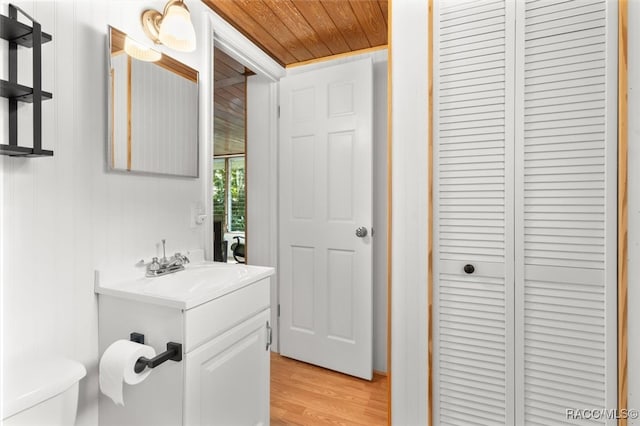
pixel 566 80
pixel 473 220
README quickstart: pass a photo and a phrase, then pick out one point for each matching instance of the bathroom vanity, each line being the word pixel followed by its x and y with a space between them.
pixel 220 314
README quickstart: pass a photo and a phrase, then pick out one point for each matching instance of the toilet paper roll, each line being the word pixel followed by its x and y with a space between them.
pixel 116 367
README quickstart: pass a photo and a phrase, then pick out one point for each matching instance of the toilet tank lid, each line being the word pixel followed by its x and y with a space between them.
pixel 26 383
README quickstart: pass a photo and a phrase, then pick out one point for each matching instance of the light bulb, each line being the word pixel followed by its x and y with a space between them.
pixel 139 51
pixel 176 29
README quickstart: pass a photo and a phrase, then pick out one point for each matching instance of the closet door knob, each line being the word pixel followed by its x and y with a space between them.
pixel 469 268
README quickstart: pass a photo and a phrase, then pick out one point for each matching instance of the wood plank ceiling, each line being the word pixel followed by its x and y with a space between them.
pixel 229 104
pixel 293 31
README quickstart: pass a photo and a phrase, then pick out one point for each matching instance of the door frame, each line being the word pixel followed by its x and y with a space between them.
pixel 223 35
pixel 622 208
pixel 622 218
pixel 220 34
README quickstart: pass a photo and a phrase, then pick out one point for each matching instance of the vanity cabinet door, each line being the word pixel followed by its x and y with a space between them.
pixel 227 379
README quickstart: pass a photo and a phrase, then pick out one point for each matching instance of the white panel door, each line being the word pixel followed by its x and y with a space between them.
pixel 473 213
pixel 566 157
pixel 325 191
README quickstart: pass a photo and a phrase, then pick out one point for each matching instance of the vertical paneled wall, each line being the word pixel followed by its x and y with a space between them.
pixel 65 216
pixel 118 92
pixel 169 115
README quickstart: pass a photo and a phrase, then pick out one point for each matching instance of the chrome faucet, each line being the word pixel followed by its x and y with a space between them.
pixel 166 265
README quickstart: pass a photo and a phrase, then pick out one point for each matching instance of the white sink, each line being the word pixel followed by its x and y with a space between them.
pixel 198 283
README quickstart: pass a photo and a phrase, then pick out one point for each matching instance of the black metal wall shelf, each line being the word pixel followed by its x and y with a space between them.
pixel 23 151
pixel 22 34
pixel 19 92
pixel 19 34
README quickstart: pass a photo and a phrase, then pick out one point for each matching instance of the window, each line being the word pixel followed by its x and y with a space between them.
pixel 229 193
pixel 237 195
pixel 219 189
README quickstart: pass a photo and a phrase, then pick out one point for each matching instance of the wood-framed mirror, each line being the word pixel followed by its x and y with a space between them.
pixel 153 113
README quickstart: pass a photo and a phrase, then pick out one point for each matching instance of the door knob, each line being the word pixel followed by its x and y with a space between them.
pixel 361 232
pixel 469 269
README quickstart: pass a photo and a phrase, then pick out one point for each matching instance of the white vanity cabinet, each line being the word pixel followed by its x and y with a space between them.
pixel 223 378
pixel 227 379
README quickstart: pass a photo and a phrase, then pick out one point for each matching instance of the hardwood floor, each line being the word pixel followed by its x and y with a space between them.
pixel 303 394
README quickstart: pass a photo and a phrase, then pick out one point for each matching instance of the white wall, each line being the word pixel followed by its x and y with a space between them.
pixel 380 206
pixel 634 207
pixel 65 216
pixel 262 182
pixel 409 217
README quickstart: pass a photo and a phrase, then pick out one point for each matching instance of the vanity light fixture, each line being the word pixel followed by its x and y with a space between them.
pixel 140 51
pixel 172 28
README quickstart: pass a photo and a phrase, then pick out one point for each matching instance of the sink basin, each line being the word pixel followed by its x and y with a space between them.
pixel 198 283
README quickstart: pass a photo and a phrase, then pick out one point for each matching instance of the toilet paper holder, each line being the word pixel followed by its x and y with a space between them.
pixel 173 353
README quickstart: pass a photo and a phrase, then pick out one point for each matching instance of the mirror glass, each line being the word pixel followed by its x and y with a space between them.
pixel 153 113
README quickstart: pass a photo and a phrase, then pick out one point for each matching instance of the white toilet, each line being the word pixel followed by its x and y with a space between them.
pixel 41 392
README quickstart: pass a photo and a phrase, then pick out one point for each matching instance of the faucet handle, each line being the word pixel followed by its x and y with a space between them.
pixel 182 259
pixel 154 265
